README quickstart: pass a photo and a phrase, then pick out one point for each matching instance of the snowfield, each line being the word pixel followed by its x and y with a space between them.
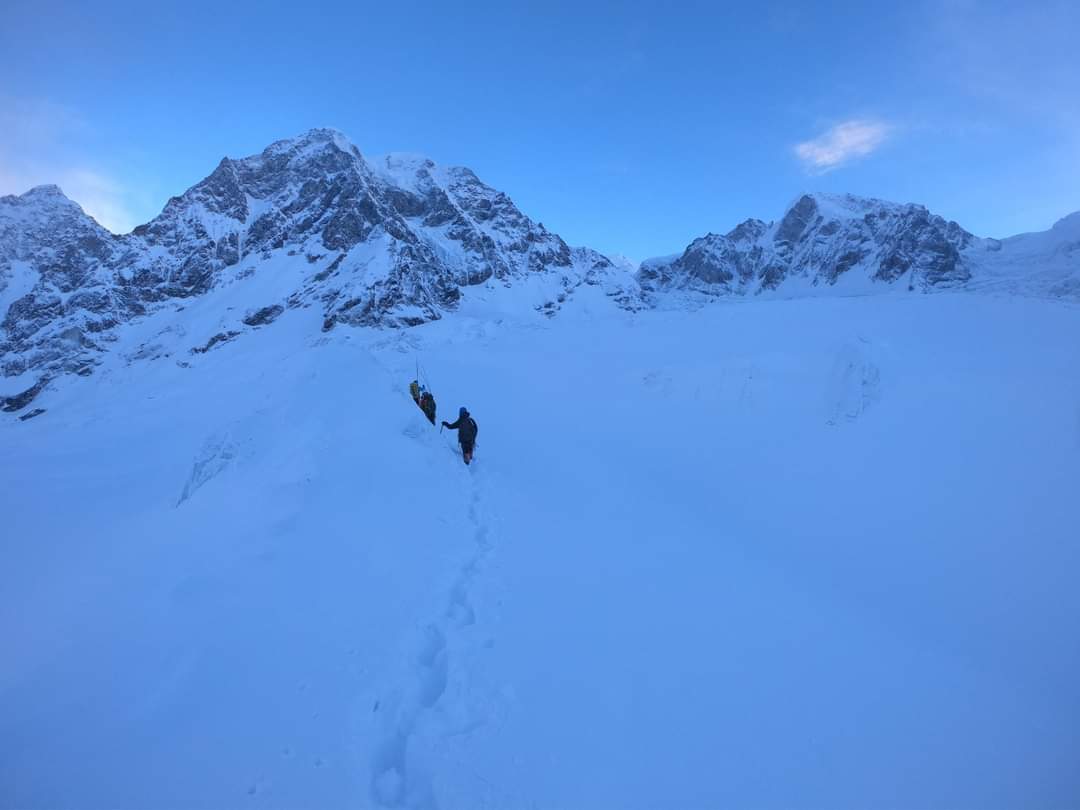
pixel 807 553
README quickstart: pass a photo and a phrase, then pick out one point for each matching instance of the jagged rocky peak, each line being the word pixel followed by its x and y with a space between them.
pixel 39 205
pixel 45 228
pixel 823 239
pixel 37 194
pixel 55 281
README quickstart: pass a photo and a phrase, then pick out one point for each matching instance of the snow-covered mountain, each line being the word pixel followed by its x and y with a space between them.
pixel 827 242
pixel 397 240
pixel 392 240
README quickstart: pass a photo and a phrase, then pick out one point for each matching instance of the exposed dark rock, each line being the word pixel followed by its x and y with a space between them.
pixel 20 401
pixel 264 316
pixel 220 337
pixel 32 414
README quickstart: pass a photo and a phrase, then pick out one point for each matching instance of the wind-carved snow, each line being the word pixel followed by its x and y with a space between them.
pixel 218 452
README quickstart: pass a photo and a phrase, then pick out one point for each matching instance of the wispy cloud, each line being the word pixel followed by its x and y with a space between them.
pixel 841 144
pixel 40 142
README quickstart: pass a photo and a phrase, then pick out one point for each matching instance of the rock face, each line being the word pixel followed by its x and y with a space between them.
pixel 389 241
pixel 821 239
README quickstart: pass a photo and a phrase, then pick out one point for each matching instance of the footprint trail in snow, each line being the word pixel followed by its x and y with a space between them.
pixel 439 699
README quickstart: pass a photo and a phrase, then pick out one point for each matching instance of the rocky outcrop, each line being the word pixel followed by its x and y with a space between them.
pixel 21 400
pixel 264 316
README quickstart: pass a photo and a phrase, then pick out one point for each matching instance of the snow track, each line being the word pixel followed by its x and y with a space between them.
pixel 423 717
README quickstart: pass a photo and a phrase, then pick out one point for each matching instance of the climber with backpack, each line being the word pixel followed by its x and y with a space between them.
pixel 414 391
pixel 427 405
pixel 466 428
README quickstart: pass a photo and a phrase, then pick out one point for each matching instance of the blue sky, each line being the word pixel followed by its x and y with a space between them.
pixel 628 127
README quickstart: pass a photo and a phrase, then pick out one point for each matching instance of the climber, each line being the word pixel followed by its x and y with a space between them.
pixel 414 391
pixel 427 405
pixel 466 428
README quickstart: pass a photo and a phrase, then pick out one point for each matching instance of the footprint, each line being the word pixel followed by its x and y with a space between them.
pixel 414 430
pixel 746 394
pixel 659 382
pixel 388 780
pixel 460 611
pixel 434 668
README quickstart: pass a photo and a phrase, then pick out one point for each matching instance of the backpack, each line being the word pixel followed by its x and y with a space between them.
pixel 467 433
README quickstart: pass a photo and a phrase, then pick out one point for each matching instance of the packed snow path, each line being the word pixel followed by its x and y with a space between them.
pixel 807 553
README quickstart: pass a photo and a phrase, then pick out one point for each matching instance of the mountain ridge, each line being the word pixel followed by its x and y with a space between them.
pixel 397 240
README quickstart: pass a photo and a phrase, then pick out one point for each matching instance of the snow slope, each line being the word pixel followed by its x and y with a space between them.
pixel 815 553
pixel 1046 264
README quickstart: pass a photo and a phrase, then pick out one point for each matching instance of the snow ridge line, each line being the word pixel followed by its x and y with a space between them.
pixel 439 703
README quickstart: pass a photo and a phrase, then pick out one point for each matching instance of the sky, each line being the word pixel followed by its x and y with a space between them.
pixel 629 127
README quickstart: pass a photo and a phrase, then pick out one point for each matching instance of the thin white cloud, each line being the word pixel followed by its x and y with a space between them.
pixel 40 144
pixel 841 144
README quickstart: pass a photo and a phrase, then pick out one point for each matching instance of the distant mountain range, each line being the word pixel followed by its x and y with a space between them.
pixel 398 241
pixel 854 245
